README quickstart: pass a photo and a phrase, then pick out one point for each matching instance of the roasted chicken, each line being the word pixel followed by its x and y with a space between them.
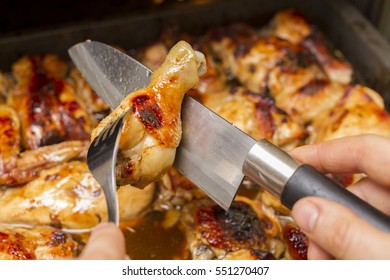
pixel 292 26
pixel 152 127
pixel 257 115
pixel 40 243
pixel 48 107
pixel 360 110
pixel 67 196
pixel 213 233
pixel 281 82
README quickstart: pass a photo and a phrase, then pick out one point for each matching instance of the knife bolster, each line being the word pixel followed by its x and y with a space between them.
pixel 269 166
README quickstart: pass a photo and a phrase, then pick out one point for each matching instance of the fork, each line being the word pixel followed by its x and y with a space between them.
pixel 101 160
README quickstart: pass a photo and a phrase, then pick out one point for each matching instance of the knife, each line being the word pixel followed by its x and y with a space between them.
pixel 214 154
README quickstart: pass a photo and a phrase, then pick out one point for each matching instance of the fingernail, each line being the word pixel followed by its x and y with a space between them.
pixel 305 214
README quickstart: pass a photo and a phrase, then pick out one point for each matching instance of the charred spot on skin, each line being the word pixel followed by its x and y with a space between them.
pixel 312 87
pixel 242 50
pixel 233 90
pixel 148 111
pixel 252 68
pixel 232 229
pixel 241 220
pixel 264 105
pixel 57 238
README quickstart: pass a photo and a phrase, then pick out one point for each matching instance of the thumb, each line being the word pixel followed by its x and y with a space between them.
pixel 338 231
pixel 106 243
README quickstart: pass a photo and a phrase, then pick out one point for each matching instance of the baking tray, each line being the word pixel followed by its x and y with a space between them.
pixel 342 24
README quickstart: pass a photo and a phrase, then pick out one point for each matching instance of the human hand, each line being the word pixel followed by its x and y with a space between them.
pixel 335 231
pixel 106 243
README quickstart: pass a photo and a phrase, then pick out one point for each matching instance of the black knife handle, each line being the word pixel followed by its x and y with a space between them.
pixel 307 181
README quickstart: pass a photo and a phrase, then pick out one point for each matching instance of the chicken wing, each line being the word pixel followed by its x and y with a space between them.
pixel 152 127
pixel 18 168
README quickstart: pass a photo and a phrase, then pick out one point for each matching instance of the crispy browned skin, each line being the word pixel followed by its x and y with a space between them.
pixel 257 115
pixel 48 107
pixel 292 26
pixel 251 62
pixel 20 167
pixel 213 233
pixel 152 127
pixel 38 243
pixel 360 110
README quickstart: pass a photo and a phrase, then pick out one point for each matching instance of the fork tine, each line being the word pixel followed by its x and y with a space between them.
pixel 101 160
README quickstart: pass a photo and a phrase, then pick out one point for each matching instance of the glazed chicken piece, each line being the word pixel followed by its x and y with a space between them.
pixel 292 26
pixel 48 107
pixel 213 233
pixel 67 196
pixel 257 115
pixel 308 101
pixel 252 63
pixel 152 126
pixel 359 111
pixel 41 243
pixel 18 168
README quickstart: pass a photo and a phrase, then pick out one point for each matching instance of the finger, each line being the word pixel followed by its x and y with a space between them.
pixel 367 154
pixel 106 243
pixel 373 193
pixel 315 252
pixel 340 232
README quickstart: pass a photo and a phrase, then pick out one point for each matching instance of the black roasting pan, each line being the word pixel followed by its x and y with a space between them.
pixel 342 24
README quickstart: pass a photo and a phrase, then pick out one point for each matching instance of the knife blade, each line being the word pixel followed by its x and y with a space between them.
pixel 214 154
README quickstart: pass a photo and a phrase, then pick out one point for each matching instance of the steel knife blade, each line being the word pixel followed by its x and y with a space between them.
pixel 214 154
